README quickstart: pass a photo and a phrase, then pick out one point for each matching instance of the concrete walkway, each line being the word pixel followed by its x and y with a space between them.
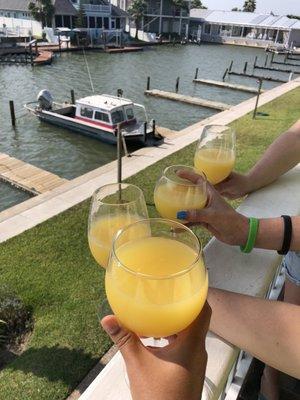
pixel 32 212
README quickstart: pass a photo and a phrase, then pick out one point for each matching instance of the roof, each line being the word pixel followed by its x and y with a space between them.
pixel 104 101
pixel 62 7
pixel 14 5
pixel 245 19
pixel 118 12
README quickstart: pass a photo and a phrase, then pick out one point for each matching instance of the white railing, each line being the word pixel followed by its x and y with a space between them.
pixel 94 8
pixel 19 27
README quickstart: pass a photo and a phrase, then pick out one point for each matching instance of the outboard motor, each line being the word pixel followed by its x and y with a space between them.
pixel 45 100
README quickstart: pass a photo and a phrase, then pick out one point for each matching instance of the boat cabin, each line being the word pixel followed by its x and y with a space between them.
pixel 105 111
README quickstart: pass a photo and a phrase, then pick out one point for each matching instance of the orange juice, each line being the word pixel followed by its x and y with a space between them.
pixel 169 198
pixel 156 305
pixel 215 163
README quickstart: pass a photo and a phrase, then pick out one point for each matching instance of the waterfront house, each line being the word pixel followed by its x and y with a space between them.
pixel 252 29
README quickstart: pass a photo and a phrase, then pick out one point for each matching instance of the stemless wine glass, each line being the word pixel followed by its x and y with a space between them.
pixel 215 153
pixel 173 193
pixel 156 282
pixel 113 206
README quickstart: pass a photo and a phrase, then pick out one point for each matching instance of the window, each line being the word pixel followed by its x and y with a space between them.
pixel 86 112
pixel 101 116
pixel 106 23
pixel 99 22
pixel 207 29
pixel 129 113
pixel 92 22
pixel 117 116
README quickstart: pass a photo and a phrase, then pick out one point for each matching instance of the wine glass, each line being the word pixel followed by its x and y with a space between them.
pixel 113 206
pixel 173 193
pixel 156 281
pixel 215 153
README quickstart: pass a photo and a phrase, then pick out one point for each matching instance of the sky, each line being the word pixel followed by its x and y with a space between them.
pixel 262 6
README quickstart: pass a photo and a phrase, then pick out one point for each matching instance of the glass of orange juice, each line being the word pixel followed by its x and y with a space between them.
pixel 215 153
pixel 113 206
pixel 173 193
pixel 156 282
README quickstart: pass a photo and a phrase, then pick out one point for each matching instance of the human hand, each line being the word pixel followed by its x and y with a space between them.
pixel 234 186
pixel 173 372
pixel 218 216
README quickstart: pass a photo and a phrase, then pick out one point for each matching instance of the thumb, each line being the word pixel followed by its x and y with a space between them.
pixel 127 342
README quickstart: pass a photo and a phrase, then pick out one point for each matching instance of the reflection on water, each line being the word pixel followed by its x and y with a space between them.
pixel 68 154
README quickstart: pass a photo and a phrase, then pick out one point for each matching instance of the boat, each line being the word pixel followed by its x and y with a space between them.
pixel 98 116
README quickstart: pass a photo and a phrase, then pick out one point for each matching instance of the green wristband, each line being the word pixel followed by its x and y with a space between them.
pixel 253 229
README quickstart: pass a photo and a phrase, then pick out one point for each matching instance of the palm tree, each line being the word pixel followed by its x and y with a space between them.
pixel 197 4
pixel 42 11
pixel 249 6
pixel 136 10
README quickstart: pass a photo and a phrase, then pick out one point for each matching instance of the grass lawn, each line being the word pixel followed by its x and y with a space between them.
pixel 51 269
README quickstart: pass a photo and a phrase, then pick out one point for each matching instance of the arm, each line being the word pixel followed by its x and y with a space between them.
pixel 282 155
pixel 231 227
pixel 269 330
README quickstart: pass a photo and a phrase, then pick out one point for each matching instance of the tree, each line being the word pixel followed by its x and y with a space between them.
pixel 80 21
pixel 136 10
pixel 42 11
pixel 249 6
pixel 197 4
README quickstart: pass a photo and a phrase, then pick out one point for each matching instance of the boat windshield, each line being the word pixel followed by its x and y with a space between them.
pixel 117 116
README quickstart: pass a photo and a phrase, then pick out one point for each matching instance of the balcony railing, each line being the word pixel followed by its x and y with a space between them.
pixel 97 8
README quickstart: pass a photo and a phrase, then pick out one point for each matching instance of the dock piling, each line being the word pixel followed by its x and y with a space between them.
pixel 272 58
pixel 148 83
pixel 291 76
pixel 257 97
pixel 266 60
pixel 12 113
pixel 145 132
pixel 230 66
pixel 225 74
pixel 255 61
pixel 177 84
pixel 72 97
pixel 120 92
pixel 31 55
pixel 245 67
pixel 196 73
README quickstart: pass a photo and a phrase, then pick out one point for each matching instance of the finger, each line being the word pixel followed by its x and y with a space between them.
pixel 199 216
pixel 127 342
pixel 191 176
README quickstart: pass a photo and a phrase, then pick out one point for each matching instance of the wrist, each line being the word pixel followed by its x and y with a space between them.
pixel 242 230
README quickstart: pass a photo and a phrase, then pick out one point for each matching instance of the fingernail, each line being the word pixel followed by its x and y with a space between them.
pixel 110 326
pixel 182 214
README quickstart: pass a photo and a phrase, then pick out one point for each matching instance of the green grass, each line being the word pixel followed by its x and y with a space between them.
pixel 51 269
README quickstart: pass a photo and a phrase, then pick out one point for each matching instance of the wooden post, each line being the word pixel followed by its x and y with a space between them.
pixel 257 98
pixel 285 57
pixel 72 97
pixel 177 84
pixel 225 73
pixel 230 66
pixel 245 67
pixel 272 58
pixel 153 126
pixel 25 54
pixel 148 83
pixel 255 62
pixel 119 157
pixel 291 76
pixel 36 48
pixel 59 43
pixel 12 113
pixel 196 73
pixel 145 132
pixel 266 61
pixel 125 146
pixel 31 55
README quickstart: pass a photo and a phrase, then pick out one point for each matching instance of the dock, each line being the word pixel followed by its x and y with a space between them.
pixel 286 63
pixel 196 101
pixel 124 50
pixel 264 78
pixel 43 58
pixel 227 85
pixel 277 69
pixel 26 176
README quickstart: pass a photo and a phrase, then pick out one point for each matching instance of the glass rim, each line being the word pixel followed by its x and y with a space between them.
pixel 228 127
pixel 94 196
pixel 154 277
pixel 187 183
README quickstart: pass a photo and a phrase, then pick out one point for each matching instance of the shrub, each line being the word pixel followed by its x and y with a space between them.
pixel 18 319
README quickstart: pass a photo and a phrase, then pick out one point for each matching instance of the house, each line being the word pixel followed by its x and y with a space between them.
pixel 246 28
pixel 17 9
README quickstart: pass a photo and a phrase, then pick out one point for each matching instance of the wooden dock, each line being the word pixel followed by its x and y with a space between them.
pixel 124 50
pixel 196 101
pixel 286 63
pixel 264 78
pixel 26 176
pixel 276 69
pixel 44 58
pixel 227 85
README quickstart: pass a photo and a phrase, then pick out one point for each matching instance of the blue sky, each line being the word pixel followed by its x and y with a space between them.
pixel 277 6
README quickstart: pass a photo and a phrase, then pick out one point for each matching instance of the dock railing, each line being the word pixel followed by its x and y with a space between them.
pixel 253 274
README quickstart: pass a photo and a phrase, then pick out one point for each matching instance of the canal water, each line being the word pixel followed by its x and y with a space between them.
pixel 68 154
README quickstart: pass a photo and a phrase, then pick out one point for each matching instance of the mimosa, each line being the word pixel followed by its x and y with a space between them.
pixel 215 163
pixel 149 299
pixel 169 198
pixel 102 232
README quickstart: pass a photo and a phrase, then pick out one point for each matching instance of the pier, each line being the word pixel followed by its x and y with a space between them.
pixel 264 78
pixel 26 176
pixel 123 50
pixel 227 85
pixel 277 69
pixel 196 101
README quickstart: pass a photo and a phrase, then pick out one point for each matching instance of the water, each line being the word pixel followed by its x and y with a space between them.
pixel 68 154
